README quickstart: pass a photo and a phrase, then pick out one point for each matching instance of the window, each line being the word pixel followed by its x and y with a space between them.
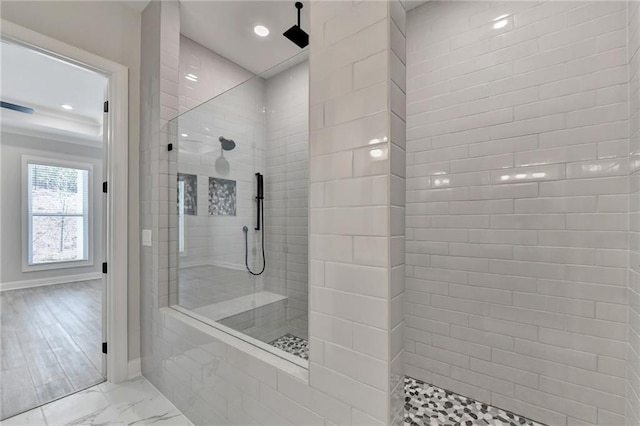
pixel 57 212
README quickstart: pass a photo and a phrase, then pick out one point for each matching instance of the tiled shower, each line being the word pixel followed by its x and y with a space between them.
pixel 517 205
pixel 471 182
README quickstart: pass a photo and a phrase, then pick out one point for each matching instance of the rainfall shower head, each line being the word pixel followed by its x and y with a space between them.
pixel 296 34
pixel 227 144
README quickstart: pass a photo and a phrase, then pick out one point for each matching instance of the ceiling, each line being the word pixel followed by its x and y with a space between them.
pixel 38 81
pixel 226 27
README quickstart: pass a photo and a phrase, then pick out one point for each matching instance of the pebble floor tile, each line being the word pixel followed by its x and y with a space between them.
pixel 427 405
pixel 294 345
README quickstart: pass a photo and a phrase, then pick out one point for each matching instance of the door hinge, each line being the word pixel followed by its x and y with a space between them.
pixel 104 268
pixel 106 106
pixel 104 347
pixel 104 187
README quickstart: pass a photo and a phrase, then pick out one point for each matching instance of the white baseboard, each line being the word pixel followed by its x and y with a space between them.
pixel 134 369
pixel 15 285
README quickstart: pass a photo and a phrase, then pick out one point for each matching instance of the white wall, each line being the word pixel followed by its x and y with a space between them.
pixel 517 226
pixel 110 30
pixel 12 148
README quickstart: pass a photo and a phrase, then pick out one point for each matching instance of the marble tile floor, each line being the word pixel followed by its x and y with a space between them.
pixel 50 343
pixel 134 402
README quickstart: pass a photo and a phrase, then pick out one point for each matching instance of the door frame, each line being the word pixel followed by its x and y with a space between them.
pixel 116 171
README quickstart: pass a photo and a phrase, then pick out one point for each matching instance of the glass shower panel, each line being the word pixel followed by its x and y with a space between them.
pixel 256 131
pixel 217 197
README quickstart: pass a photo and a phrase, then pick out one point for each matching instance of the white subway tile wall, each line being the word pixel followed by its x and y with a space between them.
pixel 609 310
pixel 203 74
pixel 357 148
pixel 517 206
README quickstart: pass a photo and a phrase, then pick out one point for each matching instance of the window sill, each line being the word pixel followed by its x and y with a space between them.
pixel 57 265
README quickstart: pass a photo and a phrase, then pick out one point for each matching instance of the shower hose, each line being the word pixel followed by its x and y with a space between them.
pixel 246 248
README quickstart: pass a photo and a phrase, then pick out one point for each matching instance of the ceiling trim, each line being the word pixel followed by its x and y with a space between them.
pixel 71 138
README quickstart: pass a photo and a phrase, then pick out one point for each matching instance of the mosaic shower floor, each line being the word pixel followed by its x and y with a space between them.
pixel 427 405
pixel 430 405
pixel 293 344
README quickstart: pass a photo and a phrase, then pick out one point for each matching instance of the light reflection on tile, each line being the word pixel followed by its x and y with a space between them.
pixel 528 174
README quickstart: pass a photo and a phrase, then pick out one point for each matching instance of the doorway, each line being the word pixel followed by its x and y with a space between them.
pixel 63 125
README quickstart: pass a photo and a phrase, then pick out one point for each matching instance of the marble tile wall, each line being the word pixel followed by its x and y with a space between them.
pixel 517 205
pixel 213 378
pixel 633 347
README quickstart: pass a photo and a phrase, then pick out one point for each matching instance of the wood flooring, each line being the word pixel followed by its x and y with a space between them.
pixel 51 343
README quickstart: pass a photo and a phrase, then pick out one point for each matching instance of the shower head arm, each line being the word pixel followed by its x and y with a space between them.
pixel 299 6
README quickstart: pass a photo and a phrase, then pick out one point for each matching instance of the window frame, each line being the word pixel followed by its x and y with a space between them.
pixel 27 217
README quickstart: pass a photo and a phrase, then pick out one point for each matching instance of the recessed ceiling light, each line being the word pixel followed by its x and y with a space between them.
pixel 67 107
pixel 261 30
pixel 191 77
pixel 184 135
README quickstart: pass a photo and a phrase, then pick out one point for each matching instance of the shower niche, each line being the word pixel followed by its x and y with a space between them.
pixel 239 167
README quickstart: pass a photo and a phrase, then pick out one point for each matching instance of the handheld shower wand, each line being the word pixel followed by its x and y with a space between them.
pixel 259 226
